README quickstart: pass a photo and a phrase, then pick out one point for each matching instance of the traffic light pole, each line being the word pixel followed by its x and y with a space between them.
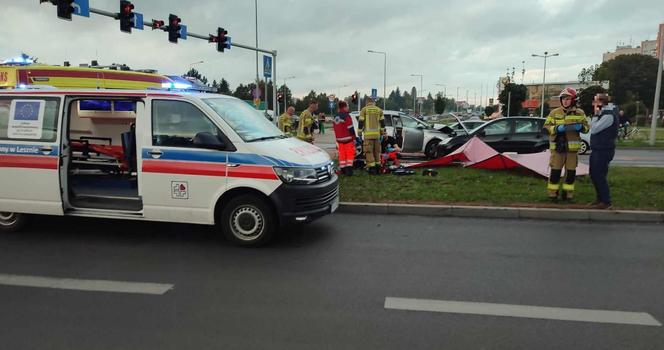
pixel 273 53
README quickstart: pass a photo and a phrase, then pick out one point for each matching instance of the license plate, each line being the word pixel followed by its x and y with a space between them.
pixel 335 205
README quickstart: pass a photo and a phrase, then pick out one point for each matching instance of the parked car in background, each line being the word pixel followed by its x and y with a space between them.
pixel 455 129
pixel 412 135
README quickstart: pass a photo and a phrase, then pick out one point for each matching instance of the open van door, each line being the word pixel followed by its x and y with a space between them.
pixel 29 154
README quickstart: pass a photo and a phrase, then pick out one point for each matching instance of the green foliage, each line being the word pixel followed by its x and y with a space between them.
pixel 519 93
pixel 586 97
pixel 440 104
pixel 631 77
pixel 586 74
pixel 489 110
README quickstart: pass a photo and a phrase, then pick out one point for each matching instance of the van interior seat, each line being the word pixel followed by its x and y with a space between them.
pixel 129 148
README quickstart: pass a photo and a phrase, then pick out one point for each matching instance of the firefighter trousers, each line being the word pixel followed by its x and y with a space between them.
pixel 371 149
pixel 558 161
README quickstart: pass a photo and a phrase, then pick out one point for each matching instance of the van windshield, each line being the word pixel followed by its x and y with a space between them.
pixel 247 122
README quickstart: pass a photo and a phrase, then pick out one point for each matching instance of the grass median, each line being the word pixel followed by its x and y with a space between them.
pixel 631 188
pixel 641 140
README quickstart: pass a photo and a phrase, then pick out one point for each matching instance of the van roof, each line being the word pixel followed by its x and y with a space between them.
pixel 110 92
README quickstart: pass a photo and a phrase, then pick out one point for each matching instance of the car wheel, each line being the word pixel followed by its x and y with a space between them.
pixel 248 220
pixel 12 222
pixel 583 148
pixel 430 148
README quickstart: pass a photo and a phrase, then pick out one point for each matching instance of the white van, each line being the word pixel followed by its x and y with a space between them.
pixel 157 155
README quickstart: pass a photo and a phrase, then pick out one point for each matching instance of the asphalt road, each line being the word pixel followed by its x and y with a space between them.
pixel 325 286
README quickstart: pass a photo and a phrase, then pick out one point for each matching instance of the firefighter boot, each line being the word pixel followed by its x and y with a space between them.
pixel 553 187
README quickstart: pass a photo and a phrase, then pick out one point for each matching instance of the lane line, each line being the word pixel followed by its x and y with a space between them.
pixel 525 311
pixel 85 285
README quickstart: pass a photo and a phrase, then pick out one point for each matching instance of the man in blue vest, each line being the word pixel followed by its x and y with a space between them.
pixel 603 134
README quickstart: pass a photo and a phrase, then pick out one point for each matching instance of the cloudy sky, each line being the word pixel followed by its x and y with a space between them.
pixel 465 44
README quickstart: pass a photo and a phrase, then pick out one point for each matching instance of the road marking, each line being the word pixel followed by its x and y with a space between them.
pixel 526 311
pixel 85 285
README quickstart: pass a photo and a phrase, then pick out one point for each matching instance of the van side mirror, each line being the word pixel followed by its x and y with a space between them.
pixel 208 141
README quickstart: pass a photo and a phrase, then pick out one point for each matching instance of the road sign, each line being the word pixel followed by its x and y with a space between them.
pixel 374 94
pixel 82 8
pixel 183 32
pixel 138 20
pixel 267 66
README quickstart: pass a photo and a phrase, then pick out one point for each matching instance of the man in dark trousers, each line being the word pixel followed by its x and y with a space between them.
pixel 603 134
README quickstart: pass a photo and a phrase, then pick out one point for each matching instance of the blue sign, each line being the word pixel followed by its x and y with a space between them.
pixel 82 8
pixel 374 94
pixel 138 21
pixel 183 32
pixel 331 104
pixel 267 66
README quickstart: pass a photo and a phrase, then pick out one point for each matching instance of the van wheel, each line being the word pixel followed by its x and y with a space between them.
pixel 583 148
pixel 430 149
pixel 12 222
pixel 247 220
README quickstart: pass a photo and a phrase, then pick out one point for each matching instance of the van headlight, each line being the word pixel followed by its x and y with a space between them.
pixel 296 176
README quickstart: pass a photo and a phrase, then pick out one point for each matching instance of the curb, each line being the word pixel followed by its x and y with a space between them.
pixel 593 215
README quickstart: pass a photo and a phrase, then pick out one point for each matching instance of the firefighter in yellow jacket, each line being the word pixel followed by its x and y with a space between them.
pixel 305 125
pixel 286 121
pixel 372 124
pixel 564 124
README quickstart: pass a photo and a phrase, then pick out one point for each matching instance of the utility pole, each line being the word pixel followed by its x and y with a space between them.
pixel 384 74
pixel 658 88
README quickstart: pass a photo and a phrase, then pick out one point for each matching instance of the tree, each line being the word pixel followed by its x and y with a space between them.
pixel 519 93
pixel 488 110
pixel 586 74
pixel 243 92
pixel 224 88
pixel 631 77
pixel 440 105
pixel 586 97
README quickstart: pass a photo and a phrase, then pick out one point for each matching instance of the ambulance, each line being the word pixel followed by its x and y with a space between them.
pixel 17 75
pixel 156 155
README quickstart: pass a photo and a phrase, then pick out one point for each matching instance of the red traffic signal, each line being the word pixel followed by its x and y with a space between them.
pixel 126 16
pixel 223 41
pixel 174 28
pixel 157 24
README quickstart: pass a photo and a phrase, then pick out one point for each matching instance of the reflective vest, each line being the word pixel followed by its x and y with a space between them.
pixel 285 123
pixel 569 141
pixel 371 116
pixel 304 126
pixel 343 128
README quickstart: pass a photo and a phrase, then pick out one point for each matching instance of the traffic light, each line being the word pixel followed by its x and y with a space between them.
pixel 353 98
pixel 280 97
pixel 126 16
pixel 174 28
pixel 65 7
pixel 157 24
pixel 223 41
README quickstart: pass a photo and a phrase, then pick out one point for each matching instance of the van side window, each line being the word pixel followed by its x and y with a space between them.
pixel 24 121
pixel 175 123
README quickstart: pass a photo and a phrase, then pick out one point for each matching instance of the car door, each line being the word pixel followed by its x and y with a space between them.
pixel 527 135
pixel 29 154
pixel 413 135
pixel 179 180
pixel 389 126
pixel 497 134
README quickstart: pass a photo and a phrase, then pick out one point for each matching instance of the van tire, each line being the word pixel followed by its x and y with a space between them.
pixel 12 222
pixel 248 220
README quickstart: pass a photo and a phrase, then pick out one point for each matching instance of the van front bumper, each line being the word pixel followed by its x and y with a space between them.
pixel 305 203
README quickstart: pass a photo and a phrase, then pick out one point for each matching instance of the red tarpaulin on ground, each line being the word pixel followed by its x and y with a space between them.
pixel 477 154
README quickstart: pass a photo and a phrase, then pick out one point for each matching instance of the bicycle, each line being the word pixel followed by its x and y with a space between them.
pixel 632 133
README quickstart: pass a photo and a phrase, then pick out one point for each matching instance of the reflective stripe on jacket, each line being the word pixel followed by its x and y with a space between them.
pixel 572 138
pixel 371 116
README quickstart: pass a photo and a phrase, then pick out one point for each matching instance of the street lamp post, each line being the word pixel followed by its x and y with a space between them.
pixel 384 72
pixel 191 65
pixel 421 78
pixel 284 91
pixel 456 102
pixel 545 56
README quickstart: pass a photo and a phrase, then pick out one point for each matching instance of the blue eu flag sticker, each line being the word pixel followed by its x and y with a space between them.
pixel 27 111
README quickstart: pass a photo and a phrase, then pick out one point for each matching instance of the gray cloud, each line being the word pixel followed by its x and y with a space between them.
pixel 324 44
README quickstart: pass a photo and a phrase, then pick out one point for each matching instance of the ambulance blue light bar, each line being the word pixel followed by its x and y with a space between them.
pixel 179 86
